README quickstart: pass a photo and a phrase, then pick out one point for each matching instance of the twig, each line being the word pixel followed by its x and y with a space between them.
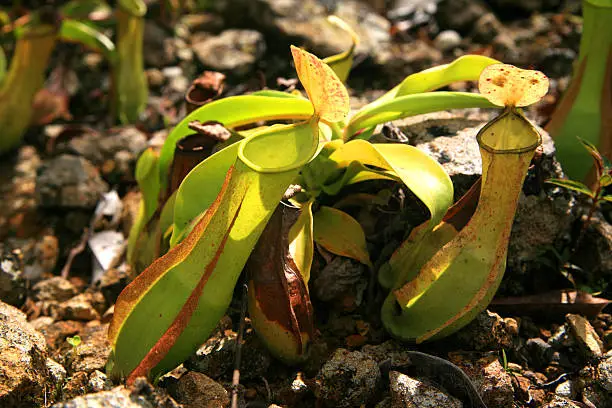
pixel 238 349
pixel 74 252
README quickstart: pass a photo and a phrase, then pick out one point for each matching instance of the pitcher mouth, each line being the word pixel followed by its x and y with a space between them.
pixel 528 141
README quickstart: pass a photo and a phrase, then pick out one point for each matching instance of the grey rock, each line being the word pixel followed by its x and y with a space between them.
pixel 12 283
pixel 160 47
pixel 56 288
pixel 192 23
pixel 233 51
pixel 566 389
pixel 304 23
pixel 404 59
pixel 115 151
pixel 594 396
pixel 459 15
pixel 561 402
pixel 447 40
pixel 98 381
pixel 604 374
pixel 68 182
pixel 487 28
pixel 23 361
pixel 388 351
pixel 348 379
pixel 586 336
pixel 196 390
pixel 141 395
pixel 407 392
pixel 340 277
pixel 540 352
pixel 216 357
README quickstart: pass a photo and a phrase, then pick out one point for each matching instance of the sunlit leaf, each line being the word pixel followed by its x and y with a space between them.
pixel 300 239
pixel 340 234
pixel 78 32
pixel 325 91
pixel 507 85
pixel 341 63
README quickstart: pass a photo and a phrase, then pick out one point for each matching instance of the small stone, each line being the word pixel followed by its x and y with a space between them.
pixel 493 383
pixel 76 385
pixel 348 379
pixel 85 306
pixel 487 332
pixel 586 336
pixel 486 28
pixel 407 392
pixel 561 402
pixel 232 51
pixel 155 78
pixel 12 283
pixel 447 40
pixel 56 288
pixel 540 352
pixel 57 372
pixel 195 390
pixel 69 182
pixel 604 374
pixel 98 381
pixel 566 389
pixel 340 278
pixel 23 361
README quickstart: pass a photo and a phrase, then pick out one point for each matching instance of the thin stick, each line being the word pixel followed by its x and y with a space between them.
pixel 238 349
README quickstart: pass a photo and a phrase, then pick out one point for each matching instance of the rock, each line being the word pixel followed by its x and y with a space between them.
pixel 57 372
pixel 55 288
pixel 92 353
pixel 115 152
pixel 406 392
pixel 98 381
pixel 23 361
pixel 586 336
pixel 216 357
pixel 390 351
pixel 561 402
pixel 487 28
pixel 192 23
pixel 339 279
pixel 56 333
pixel 557 62
pixel 459 15
pixel 348 379
pixel 304 23
pixel 160 47
pixel 540 352
pixel 407 58
pixel 196 390
pixel 76 385
pixel 68 182
pixel 488 331
pixel 493 383
pixel 85 306
pixel 447 40
pixel 112 282
pixel 141 395
pixel 604 374
pixel 36 256
pixel 234 52
pixel 12 284
pixel 566 389
pixel 595 251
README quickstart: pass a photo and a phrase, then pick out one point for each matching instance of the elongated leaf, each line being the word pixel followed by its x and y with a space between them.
pixel 340 234
pixel 571 185
pixel 410 105
pixel 231 112
pixel 424 176
pixel 607 197
pixel 75 31
pixel 464 68
pixel 300 237
pixel 356 172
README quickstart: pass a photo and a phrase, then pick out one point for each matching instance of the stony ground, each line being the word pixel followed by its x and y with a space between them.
pixel 68 199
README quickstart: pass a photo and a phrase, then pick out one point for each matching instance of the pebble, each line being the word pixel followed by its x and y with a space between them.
pixel 447 40
pixel 196 390
pixel 587 337
pixel 233 51
pixel 407 392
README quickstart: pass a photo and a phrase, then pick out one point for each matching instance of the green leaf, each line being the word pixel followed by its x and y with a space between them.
pixel 465 68
pixel 301 246
pixel 571 185
pixel 605 180
pixel 356 172
pixel 424 176
pixel 410 105
pixel 75 31
pixel 258 151
pixel 341 234
pixel 607 197
pixel 2 65
pixel 231 112
pixel 597 157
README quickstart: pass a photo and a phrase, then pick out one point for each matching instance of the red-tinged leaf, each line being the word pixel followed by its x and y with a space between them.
pixel 166 342
pixel 553 304
pixel 597 157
